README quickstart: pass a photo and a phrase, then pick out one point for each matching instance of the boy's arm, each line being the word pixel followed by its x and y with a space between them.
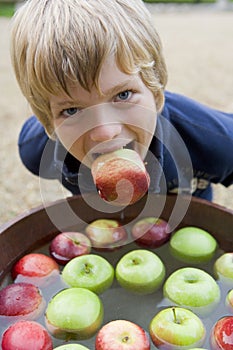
pixel 32 142
pixel 208 134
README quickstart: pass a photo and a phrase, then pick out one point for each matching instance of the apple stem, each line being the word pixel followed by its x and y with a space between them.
pixel 135 262
pixel 174 315
pixel 87 269
pixel 125 339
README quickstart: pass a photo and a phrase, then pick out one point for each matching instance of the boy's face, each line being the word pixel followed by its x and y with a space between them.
pixel 90 123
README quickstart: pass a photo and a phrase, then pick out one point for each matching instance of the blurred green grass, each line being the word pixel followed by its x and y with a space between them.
pixel 7 9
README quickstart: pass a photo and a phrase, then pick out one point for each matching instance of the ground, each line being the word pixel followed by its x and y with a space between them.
pixel 198 47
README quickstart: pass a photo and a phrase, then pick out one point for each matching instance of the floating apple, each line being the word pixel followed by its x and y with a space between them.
pixel 140 271
pixel 223 268
pixel 222 334
pixel 89 271
pixel 67 245
pixel 192 288
pixel 193 245
pixel 26 335
pixel 122 334
pixel 20 300
pixel 71 347
pixel 106 234
pixel 176 328
pixel 36 268
pixel 229 300
pixel 120 177
pixel 74 313
pixel 151 232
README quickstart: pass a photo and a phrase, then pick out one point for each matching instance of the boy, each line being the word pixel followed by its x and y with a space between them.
pixel 94 74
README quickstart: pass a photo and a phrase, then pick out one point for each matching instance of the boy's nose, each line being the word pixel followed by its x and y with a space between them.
pixel 105 132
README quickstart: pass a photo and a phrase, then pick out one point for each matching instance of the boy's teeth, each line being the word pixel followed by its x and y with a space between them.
pixel 128 146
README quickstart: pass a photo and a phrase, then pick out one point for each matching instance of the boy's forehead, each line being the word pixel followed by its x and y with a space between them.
pixel 111 81
pixel 111 77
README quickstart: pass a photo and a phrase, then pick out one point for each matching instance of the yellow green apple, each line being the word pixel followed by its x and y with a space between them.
pixel 193 245
pixel 74 313
pixel 140 271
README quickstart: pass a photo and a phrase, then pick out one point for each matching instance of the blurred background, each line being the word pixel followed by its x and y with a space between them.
pixel 197 38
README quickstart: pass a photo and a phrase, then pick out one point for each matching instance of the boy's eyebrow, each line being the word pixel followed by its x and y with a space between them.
pixel 119 88
pixel 62 103
pixel 112 91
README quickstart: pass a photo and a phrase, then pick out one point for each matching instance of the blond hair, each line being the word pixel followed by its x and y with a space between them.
pixel 54 42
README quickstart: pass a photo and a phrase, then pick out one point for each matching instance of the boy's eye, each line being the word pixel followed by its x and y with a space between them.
pixel 69 112
pixel 124 95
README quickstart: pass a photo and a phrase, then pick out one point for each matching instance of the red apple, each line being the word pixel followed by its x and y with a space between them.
pixel 222 334
pixel 20 300
pixel 36 268
pixel 122 335
pixel 106 234
pixel 120 177
pixel 68 245
pixel 151 232
pixel 26 335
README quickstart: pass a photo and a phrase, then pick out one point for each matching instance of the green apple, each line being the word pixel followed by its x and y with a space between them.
pixel 193 245
pixel 89 271
pixel 176 328
pixel 74 313
pixel 140 271
pixel 223 268
pixel 193 288
pixel 71 347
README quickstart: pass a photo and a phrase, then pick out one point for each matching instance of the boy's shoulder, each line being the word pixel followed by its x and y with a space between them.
pixel 32 130
pixel 184 111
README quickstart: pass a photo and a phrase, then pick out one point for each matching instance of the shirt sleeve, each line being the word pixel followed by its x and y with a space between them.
pixel 31 143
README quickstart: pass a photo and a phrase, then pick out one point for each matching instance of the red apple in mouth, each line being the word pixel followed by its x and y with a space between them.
pixel 120 177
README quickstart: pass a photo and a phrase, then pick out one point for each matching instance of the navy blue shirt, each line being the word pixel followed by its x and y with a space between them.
pixel 192 148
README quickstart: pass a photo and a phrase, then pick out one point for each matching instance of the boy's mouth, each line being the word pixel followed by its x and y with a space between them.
pixel 130 145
